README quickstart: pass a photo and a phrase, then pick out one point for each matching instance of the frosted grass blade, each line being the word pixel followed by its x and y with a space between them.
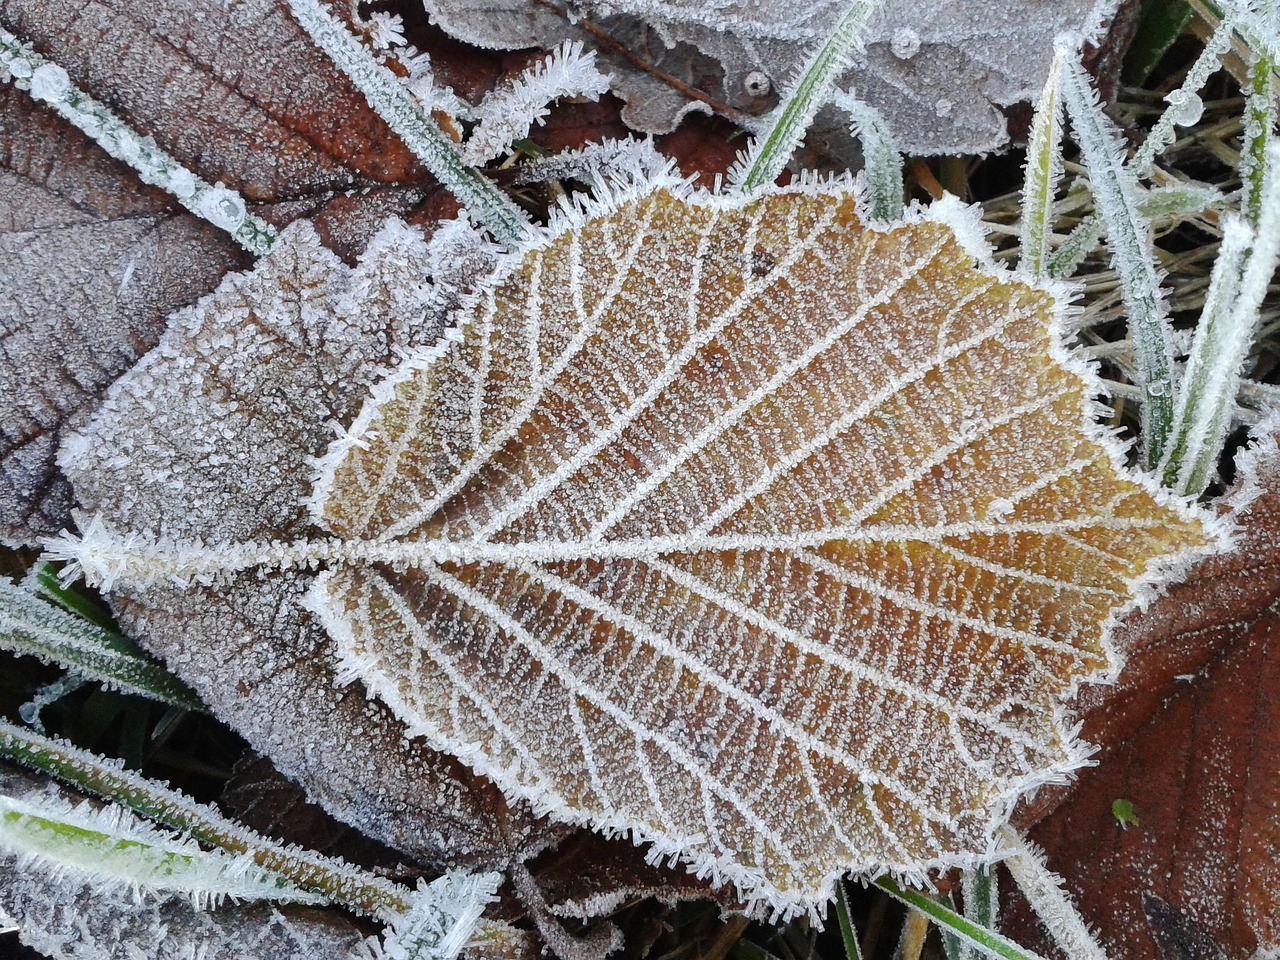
pixel 1041 175
pixel 1115 191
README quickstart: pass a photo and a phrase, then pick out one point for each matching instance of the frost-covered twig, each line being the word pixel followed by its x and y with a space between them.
pixel 488 205
pixel 613 161
pixel 1184 103
pixel 50 84
pixel 30 626
pixel 507 113
pixel 1115 191
pixel 768 154
pixel 1043 890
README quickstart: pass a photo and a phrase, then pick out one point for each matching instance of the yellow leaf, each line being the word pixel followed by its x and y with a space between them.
pixel 769 537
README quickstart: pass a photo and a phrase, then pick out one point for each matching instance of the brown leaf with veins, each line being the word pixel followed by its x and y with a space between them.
pixel 764 535
pixel 1190 736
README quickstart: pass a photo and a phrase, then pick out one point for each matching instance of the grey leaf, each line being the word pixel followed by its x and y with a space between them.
pixel 941 72
pixel 209 438
pixel 91 263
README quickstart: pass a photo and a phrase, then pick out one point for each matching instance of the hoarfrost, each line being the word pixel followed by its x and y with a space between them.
pixel 209 439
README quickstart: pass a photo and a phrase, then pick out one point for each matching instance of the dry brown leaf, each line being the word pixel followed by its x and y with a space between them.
pixel 1190 737
pixel 239 93
pixel 759 522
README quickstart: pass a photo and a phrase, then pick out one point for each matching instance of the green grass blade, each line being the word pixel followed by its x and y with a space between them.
pixel 1246 263
pixel 768 155
pixel 1041 175
pixel 32 627
pixel 1115 192
pixel 340 882
pixel 848 935
pixel 987 942
pixel 882 158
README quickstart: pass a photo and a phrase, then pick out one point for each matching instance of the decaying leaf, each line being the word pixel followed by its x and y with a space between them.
pixel 91 264
pixel 92 261
pixel 940 80
pixel 1189 736
pixel 768 537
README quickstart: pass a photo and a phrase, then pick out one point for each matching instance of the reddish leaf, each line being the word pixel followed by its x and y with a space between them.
pixel 1190 737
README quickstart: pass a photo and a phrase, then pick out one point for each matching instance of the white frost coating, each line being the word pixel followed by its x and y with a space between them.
pixel 1041 173
pixel 488 205
pixel 115 849
pixel 49 83
pixel 507 113
pixel 1115 192
pixel 518 770
pixel 1043 890
pixel 882 158
pixel 1223 337
pixel 442 918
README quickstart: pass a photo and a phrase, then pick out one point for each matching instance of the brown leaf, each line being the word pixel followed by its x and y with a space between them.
pixel 239 94
pixel 744 551
pixel 1190 737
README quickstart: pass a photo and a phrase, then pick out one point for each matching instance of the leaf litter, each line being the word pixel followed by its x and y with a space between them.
pixel 201 545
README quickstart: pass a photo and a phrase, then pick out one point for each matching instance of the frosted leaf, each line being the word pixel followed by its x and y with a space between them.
pixel 187 72
pixel 210 438
pixel 689 533
pixel 67 918
pixel 91 262
pixel 981 63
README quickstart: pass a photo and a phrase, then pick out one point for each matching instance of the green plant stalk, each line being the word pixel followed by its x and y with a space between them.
pixel 1171 201
pixel 61 841
pixel 768 156
pixel 49 84
pixel 32 627
pixel 1040 176
pixel 357 890
pixel 988 941
pixel 848 935
pixel 1259 124
pixel 484 202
